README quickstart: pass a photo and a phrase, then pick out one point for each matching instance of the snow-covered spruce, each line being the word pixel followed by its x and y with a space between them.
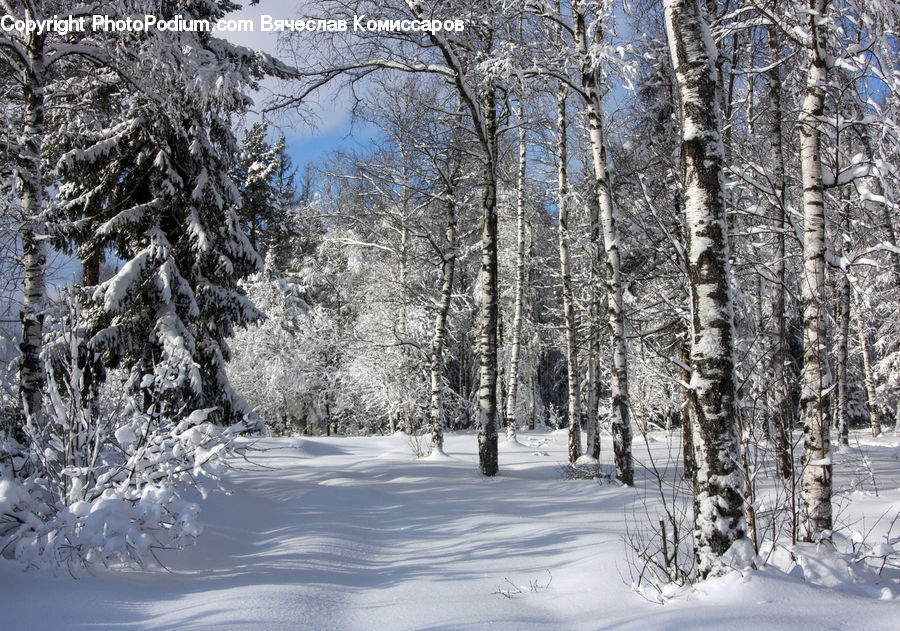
pixel 155 187
pixel 254 173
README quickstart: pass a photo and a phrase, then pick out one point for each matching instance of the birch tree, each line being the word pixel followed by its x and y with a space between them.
pixel 718 501
pixel 816 473
pixel 781 406
pixel 480 100
pixel 562 206
pixel 581 28
pixel 447 171
pixel 440 328
pixel 621 421
pixel 516 342
pixel 28 53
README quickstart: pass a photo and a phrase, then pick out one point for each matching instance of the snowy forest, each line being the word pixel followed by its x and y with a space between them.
pixel 655 243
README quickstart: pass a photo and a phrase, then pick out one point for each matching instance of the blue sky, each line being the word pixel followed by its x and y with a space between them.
pixel 328 125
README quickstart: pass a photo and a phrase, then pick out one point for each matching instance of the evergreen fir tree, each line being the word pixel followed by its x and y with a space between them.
pixel 254 173
pixel 156 188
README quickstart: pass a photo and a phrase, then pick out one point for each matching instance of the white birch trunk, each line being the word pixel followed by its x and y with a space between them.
pixel 718 501
pixel 597 287
pixel 562 203
pixel 404 416
pixel 840 360
pixel 34 250
pixel 621 421
pixel 490 309
pixel 520 282
pixel 780 407
pixel 868 376
pixel 595 324
pixel 815 482
pixel 592 429
pixel 440 328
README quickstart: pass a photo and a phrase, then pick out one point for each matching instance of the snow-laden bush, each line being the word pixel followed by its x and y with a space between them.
pixel 101 480
pixel 282 366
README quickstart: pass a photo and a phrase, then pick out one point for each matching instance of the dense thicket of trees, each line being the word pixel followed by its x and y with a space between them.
pixel 568 215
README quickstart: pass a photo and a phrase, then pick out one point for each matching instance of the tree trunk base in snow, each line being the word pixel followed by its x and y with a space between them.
pixel 487 453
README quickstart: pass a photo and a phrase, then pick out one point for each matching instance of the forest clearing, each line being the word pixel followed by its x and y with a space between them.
pixel 450 314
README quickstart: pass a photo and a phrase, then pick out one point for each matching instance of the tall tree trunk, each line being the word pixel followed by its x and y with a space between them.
pixel 562 203
pixel 868 376
pixel 490 310
pixel 780 402
pixel 840 360
pixel 815 483
pixel 520 281
pixel 402 423
pixel 440 328
pixel 90 269
pixel 718 501
pixel 842 334
pixel 532 401
pixel 481 103
pixel 621 421
pixel 253 224
pixel 592 447
pixel 534 317
pixel 592 425
pixel 463 384
pixel 34 249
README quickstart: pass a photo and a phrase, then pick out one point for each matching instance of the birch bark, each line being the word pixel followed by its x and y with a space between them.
pixel 621 420
pixel 718 501
pixel 520 281
pixel 562 203
pixel 440 328
pixel 815 481
pixel 843 335
pixel 490 309
pixel 34 249
pixel 780 404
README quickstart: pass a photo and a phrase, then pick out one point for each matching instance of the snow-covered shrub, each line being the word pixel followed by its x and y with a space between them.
pixel 284 366
pixel 658 538
pixel 420 443
pixel 101 480
pixel 586 468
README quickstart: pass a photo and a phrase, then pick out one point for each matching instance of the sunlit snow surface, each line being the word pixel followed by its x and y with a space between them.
pixel 353 533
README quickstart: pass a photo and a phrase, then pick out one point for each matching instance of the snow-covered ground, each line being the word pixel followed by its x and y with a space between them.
pixel 354 533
